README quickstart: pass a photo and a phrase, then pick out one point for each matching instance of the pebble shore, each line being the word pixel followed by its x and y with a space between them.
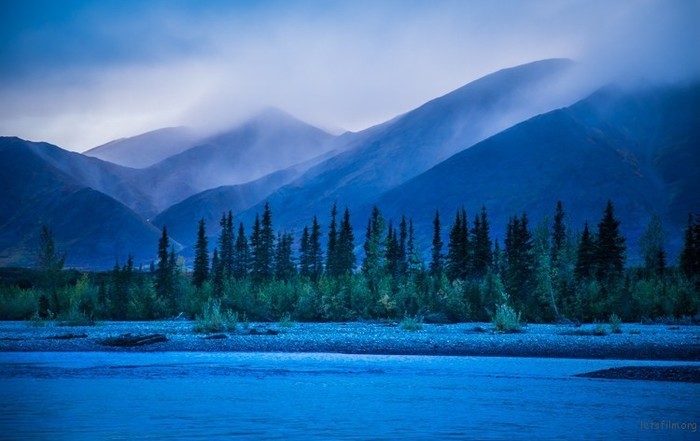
pixel 636 342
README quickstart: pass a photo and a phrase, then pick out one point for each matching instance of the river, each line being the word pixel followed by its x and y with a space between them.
pixel 194 395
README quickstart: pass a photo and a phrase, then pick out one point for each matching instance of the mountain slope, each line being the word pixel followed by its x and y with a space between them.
pixel 91 227
pixel 639 149
pixel 271 141
pixel 387 155
pixel 146 149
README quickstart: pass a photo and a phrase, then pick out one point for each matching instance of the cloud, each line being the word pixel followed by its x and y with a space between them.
pixel 88 72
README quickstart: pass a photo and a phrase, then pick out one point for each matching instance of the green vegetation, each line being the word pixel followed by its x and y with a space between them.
pixel 506 319
pixel 411 323
pixel 615 324
pixel 551 272
pixel 213 319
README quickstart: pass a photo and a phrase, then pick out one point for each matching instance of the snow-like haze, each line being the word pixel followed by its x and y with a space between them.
pixel 81 73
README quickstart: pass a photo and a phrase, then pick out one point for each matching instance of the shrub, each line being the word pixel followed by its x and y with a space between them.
pixel 506 319
pixel 286 321
pixel 214 320
pixel 615 324
pixel 600 330
pixel 411 323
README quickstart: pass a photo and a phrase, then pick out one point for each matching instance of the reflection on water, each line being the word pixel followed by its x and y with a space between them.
pixel 330 396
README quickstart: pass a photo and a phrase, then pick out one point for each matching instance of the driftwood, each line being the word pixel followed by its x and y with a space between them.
pixel 128 340
pixel 267 332
pixel 66 336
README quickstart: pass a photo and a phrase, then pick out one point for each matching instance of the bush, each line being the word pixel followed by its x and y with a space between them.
pixel 286 321
pixel 411 323
pixel 600 330
pixel 506 319
pixel 214 320
pixel 615 324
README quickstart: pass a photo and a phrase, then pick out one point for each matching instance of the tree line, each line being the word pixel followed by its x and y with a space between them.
pixel 548 272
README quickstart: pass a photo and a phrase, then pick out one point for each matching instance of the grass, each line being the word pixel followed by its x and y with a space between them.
pixel 411 323
pixel 507 320
pixel 286 321
pixel 213 319
pixel 615 324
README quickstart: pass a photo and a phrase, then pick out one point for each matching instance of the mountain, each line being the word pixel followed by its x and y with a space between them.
pixel 271 141
pixel 93 228
pixel 149 148
pixel 638 148
pixel 384 156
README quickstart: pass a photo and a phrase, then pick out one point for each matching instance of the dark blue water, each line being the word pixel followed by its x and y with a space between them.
pixel 329 396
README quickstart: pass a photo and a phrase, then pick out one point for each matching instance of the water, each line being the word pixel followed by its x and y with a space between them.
pixel 330 396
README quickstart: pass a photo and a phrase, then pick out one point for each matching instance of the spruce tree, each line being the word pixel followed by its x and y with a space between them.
pixel 331 253
pixel 200 273
pixel 457 249
pixel 164 270
pixel 402 256
pixel 482 253
pixel 436 262
pixel 304 256
pixel 689 261
pixel 267 245
pixel 373 265
pixel 519 274
pixel 284 266
pixel 241 260
pixel 50 264
pixel 558 234
pixel 610 246
pixel 392 257
pixel 226 241
pixel 346 246
pixel 585 257
pixel 217 270
pixel 315 253
pixel 414 263
pixel 651 244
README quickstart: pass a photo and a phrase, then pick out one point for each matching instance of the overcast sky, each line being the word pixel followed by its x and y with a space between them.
pixel 81 73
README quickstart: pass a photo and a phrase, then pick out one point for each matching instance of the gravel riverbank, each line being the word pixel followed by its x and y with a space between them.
pixel 636 342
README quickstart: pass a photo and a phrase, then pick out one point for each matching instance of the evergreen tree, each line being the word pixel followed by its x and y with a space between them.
pixel 403 238
pixel 585 257
pixel 165 268
pixel 262 255
pixel 315 253
pixel 558 234
pixel 284 266
pixel 610 246
pixel 690 255
pixel 392 257
pixel 436 262
pixel 304 254
pixel 266 248
pixel 457 259
pixel 651 244
pixel 226 248
pixel 200 273
pixel 519 274
pixel 331 254
pixel 373 265
pixel 345 247
pixel 51 268
pixel 481 245
pixel 241 254
pixel 217 271
pixel 413 261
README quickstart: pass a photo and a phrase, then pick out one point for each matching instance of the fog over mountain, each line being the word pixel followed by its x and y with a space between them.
pixel 149 148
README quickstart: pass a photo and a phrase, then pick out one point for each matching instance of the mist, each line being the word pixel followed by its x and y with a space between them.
pixel 83 73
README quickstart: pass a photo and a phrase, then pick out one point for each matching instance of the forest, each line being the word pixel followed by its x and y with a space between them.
pixel 547 273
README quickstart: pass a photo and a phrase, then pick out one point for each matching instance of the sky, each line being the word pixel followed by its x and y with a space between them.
pixel 79 73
